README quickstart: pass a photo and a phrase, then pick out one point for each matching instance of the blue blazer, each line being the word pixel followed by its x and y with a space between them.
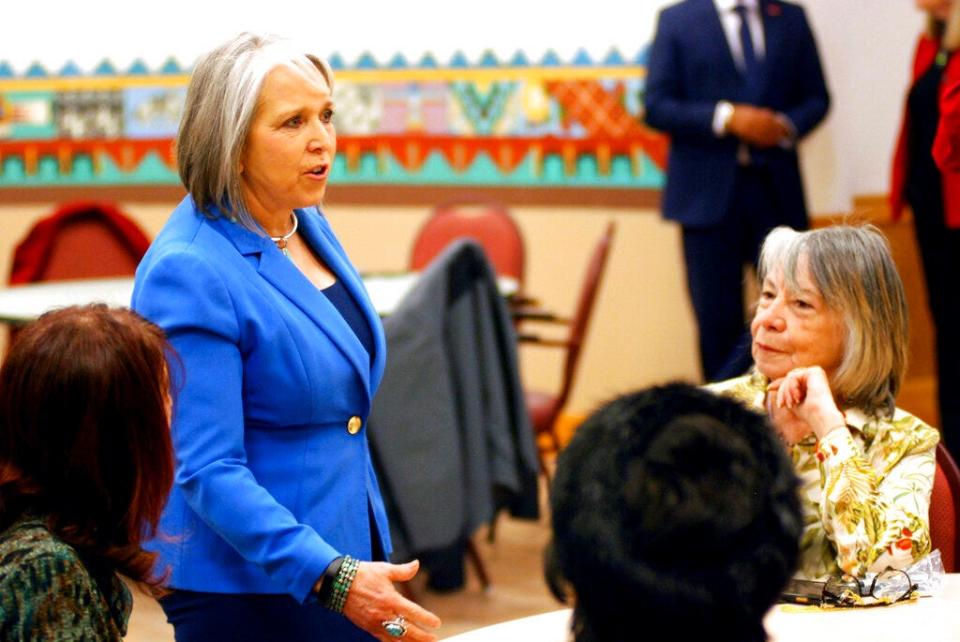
pixel 691 68
pixel 270 484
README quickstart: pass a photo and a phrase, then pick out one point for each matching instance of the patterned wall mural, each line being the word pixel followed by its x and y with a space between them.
pixel 487 122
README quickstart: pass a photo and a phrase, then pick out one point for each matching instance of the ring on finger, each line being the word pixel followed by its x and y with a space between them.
pixel 395 628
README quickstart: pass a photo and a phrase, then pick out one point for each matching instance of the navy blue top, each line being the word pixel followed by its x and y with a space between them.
pixel 341 299
pixel 924 189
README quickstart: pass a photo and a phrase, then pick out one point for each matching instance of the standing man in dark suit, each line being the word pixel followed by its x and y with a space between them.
pixel 736 84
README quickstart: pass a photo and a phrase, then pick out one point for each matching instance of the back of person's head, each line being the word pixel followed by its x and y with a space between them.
pixel 84 432
pixel 673 508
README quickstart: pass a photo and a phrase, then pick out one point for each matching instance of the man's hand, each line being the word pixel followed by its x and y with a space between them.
pixel 757 126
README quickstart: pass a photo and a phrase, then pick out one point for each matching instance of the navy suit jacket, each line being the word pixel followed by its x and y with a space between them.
pixel 691 68
pixel 270 485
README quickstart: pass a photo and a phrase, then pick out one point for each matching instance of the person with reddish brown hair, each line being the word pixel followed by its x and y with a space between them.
pixel 86 464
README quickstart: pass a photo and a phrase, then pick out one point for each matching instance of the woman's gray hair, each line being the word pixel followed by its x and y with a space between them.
pixel 220 105
pixel 853 270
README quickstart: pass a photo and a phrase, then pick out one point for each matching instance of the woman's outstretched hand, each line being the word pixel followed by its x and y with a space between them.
pixel 801 403
pixel 373 600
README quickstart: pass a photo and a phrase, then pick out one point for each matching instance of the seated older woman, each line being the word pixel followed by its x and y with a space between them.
pixel 830 349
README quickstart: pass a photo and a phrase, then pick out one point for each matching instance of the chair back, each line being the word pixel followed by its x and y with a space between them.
pixel 79 240
pixel 581 316
pixel 487 223
pixel 945 510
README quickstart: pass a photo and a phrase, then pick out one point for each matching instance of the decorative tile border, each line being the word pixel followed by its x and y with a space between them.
pixel 486 123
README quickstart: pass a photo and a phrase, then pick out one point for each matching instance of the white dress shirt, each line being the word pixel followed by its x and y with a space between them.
pixel 730 20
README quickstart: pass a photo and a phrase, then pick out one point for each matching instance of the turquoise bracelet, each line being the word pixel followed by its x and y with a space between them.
pixel 342 583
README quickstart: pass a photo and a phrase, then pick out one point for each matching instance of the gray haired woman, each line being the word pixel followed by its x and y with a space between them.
pixel 277 527
pixel 830 351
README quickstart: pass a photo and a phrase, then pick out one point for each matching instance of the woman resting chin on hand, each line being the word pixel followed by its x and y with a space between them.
pixel 802 403
pixel 829 351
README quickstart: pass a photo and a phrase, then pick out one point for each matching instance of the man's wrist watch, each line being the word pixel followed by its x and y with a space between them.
pixel 726 113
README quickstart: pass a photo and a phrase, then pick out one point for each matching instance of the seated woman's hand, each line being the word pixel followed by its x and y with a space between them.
pixel 373 600
pixel 801 403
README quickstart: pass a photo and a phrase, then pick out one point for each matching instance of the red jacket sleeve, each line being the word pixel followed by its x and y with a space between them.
pixel 946 146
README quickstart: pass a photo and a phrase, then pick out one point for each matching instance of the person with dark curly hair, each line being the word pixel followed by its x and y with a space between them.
pixel 86 464
pixel 673 505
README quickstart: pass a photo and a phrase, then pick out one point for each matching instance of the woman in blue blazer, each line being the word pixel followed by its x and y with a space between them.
pixel 275 528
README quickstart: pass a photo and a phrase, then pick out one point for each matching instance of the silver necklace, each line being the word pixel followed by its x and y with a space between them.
pixel 281 241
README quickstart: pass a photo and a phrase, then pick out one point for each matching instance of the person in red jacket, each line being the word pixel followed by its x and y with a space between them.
pixel 946 145
pixel 932 191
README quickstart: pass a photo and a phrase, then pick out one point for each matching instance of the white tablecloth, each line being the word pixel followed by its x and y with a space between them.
pixel 927 619
pixel 23 303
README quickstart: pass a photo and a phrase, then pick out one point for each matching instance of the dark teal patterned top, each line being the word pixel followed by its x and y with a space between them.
pixel 46 593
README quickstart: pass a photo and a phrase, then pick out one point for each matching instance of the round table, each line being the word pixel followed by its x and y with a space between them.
pixel 23 303
pixel 930 619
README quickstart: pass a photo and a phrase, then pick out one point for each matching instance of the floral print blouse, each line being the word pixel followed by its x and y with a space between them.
pixel 865 491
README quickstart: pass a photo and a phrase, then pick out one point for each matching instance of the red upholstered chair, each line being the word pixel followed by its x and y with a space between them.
pixel 79 240
pixel 488 223
pixel 945 510
pixel 545 407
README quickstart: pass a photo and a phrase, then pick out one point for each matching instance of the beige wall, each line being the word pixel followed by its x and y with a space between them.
pixel 642 329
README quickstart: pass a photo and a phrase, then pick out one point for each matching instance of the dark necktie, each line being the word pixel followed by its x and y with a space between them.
pixel 746 42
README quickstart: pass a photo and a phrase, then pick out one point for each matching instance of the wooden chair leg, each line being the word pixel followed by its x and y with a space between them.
pixel 550 431
pixel 473 554
pixel 555 441
pixel 492 530
pixel 544 469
